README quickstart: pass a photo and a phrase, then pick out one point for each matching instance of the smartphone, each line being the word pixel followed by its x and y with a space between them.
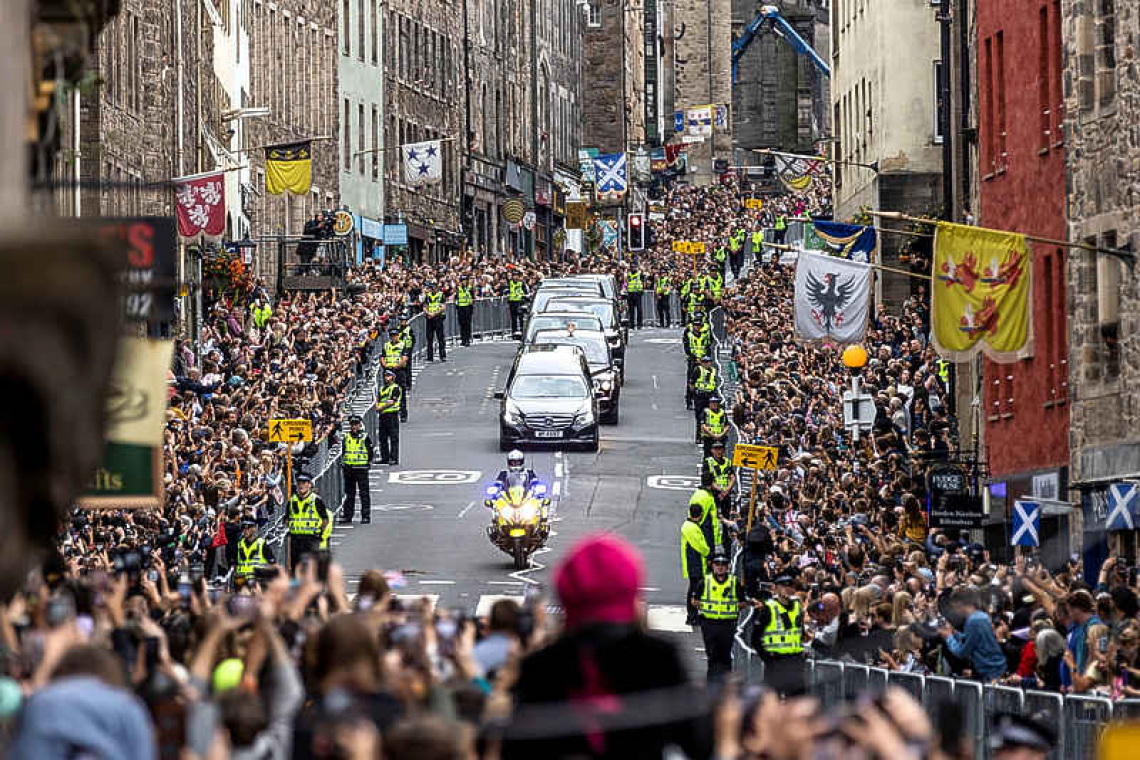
pixel 60 610
pixel 324 557
pixel 242 606
pixel 152 575
pixel 185 588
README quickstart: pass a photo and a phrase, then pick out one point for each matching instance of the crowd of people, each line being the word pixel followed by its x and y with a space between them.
pixel 122 647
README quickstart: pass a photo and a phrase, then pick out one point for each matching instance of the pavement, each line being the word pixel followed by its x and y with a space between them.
pixel 428 517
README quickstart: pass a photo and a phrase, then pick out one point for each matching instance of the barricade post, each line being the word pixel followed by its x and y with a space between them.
pixel 936 691
pixel 828 683
pixel 1051 706
pixel 854 680
pixel 912 683
pixel 877 679
pixel 1085 719
pixel 969 695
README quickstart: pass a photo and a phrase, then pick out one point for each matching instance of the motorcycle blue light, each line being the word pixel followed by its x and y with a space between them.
pixel 539 489
pixel 492 490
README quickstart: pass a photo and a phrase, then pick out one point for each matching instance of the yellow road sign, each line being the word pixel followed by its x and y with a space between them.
pixel 287 431
pixel 754 203
pixel 695 247
pixel 680 246
pixel 755 457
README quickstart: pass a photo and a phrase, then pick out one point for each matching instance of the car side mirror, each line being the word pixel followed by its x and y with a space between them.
pixel 625 323
pixel 500 395
pixel 618 361
pixel 516 336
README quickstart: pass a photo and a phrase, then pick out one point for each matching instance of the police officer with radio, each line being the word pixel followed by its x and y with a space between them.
pixel 308 520
pixel 435 311
pixel 395 359
pixel 714 426
pixel 252 551
pixel 719 606
pixel 356 459
pixel 718 476
pixel 695 340
pixel 777 634
pixel 663 287
pixel 464 307
pixel 388 403
pixel 704 382
pixel 694 561
pixel 634 287
pixel 516 294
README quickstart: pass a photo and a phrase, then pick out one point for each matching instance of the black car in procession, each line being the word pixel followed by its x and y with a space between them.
pixel 549 399
pixel 605 368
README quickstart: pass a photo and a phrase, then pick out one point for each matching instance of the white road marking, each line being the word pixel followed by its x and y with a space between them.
pixel 444 434
pixel 410 599
pixel 655 406
pixel 483 608
pixel 434 477
pixel 655 385
pixel 437 583
pixel 466 509
pixel 667 618
pixel 558 469
pixel 673 482
pixel 505 583
pixel 648 589
pixel 557 487
pixel 334 543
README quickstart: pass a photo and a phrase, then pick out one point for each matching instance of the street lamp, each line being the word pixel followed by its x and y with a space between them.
pixel 854 358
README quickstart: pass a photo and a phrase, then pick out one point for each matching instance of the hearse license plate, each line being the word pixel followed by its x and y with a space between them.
pixel 548 434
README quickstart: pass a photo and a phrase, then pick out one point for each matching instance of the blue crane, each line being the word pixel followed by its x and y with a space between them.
pixel 768 17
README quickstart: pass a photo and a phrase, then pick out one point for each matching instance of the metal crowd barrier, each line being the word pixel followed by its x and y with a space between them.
pixel 1079 720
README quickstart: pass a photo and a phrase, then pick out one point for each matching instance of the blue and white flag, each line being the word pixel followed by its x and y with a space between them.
pixel 610 175
pixel 1026 524
pixel 678 121
pixel 423 162
pixel 1122 506
pixel 849 241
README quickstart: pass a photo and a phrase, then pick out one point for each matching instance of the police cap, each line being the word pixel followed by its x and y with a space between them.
pixel 784 579
pixel 714 399
pixel 706 358
pixel 717 444
pixel 720 557
pixel 249 522
pixel 1010 731
pixel 393 329
pixel 304 478
pixel 355 420
pixel 389 373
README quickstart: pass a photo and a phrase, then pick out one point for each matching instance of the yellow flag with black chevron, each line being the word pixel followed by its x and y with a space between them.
pixel 289 167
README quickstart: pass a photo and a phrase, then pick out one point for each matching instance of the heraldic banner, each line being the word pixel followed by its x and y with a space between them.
pixel 289 167
pixel 980 294
pixel 833 298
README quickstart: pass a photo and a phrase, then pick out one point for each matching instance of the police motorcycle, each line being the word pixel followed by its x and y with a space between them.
pixel 520 524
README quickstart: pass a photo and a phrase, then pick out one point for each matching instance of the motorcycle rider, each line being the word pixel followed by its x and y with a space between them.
pixel 516 465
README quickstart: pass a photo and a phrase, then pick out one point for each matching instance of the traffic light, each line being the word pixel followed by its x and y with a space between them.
pixel 635 232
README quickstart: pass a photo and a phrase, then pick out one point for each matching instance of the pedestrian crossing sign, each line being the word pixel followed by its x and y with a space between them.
pixel 288 431
pixel 755 457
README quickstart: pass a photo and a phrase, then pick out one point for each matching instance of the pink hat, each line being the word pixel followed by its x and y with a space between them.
pixel 598 581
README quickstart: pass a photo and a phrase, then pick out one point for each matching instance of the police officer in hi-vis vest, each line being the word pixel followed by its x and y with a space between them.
pixel 252 551
pixel 719 605
pixel 308 520
pixel 356 459
pixel 395 357
pixel 388 403
pixel 464 307
pixel 516 294
pixel 663 287
pixel 697 342
pixel 704 382
pixel 714 425
pixel 718 477
pixel 694 561
pixel 778 635
pixel 634 287
pixel 436 312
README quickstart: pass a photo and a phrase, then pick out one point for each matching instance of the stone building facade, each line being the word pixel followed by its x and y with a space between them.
pixel 613 76
pixel 521 106
pixel 423 100
pixel 780 99
pixel 702 75
pixel 293 73
pixel 1025 405
pixel 1101 110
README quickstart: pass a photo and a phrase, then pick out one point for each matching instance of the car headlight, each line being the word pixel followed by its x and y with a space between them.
pixel 512 414
pixel 584 418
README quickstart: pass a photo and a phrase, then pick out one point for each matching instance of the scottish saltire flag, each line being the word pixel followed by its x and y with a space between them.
pixel 1122 506
pixel 851 241
pixel 423 162
pixel 1026 524
pixel 678 121
pixel 610 175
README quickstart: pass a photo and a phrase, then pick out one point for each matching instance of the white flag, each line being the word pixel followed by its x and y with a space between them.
pixel 423 162
pixel 833 298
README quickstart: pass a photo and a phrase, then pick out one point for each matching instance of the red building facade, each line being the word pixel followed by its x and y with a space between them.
pixel 1022 188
